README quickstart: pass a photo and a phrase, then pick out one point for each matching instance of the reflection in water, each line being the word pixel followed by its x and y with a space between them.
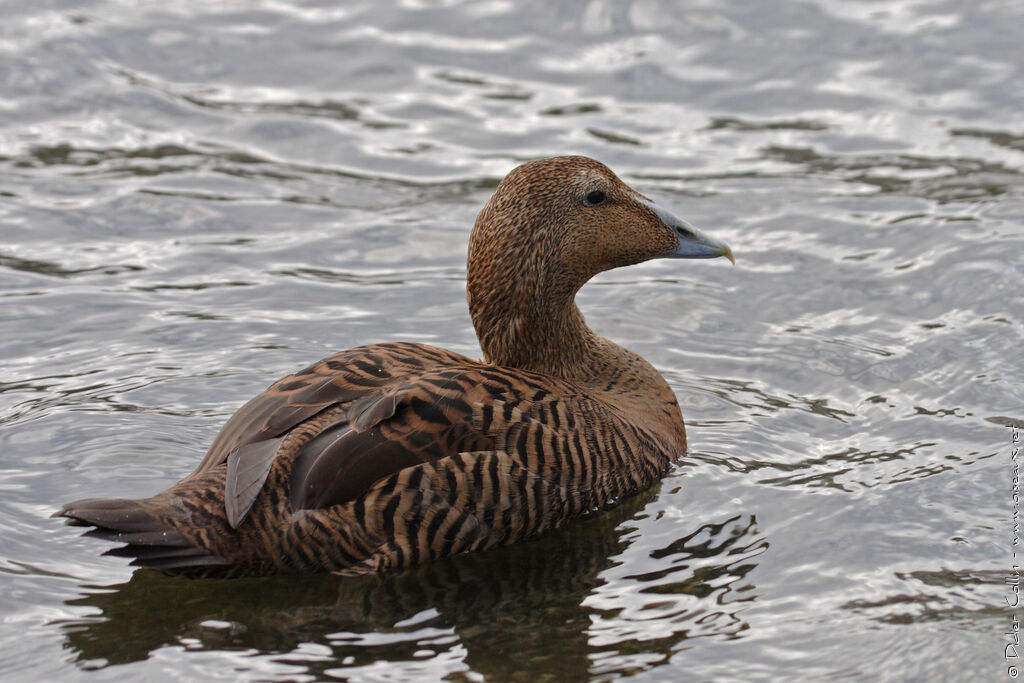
pixel 535 611
pixel 696 586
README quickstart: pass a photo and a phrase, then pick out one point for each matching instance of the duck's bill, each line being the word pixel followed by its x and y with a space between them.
pixel 692 242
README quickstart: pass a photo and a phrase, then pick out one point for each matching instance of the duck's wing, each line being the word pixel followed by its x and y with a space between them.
pixel 306 415
pixel 425 418
pixel 360 430
pixel 338 379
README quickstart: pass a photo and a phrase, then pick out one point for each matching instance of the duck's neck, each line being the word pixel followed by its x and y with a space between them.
pixel 527 318
pixel 521 297
pixel 537 331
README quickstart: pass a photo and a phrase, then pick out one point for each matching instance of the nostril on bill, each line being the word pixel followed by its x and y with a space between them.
pixel 684 232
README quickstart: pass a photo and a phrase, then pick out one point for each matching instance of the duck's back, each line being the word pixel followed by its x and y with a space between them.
pixel 386 456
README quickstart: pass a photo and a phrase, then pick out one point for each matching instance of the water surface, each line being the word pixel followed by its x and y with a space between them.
pixel 198 199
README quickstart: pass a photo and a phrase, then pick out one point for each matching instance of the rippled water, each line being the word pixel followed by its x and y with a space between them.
pixel 200 197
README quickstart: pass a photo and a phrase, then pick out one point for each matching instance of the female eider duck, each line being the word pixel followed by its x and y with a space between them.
pixel 390 455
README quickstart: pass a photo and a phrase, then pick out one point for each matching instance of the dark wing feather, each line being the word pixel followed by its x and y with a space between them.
pixel 386 431
pixel 333 462
pixel 340 465
pixel 248 467
pixel 370 410
pixel 336 380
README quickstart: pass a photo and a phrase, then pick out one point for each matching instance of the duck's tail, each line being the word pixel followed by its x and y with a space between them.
pixel 151 536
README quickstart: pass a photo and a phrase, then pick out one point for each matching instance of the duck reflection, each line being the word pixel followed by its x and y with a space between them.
pixel 516 613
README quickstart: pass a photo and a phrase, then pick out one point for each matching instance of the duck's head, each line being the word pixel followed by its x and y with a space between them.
pixel 551 225
pixel 568 218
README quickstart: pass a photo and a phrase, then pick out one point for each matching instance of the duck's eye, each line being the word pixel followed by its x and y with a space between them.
pixel 596 197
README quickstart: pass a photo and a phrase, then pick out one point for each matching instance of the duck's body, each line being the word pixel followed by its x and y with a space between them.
pixel 389 455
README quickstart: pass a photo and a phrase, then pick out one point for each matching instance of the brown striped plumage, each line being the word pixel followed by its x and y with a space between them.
pixel 393 454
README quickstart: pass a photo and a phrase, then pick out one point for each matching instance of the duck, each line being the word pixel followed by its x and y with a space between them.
pixel 390 455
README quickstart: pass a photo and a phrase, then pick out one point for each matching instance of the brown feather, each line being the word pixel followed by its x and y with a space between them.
pixel 342 470
pixel 248 467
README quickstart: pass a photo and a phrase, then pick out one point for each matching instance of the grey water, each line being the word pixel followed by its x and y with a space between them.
pixel 197 198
